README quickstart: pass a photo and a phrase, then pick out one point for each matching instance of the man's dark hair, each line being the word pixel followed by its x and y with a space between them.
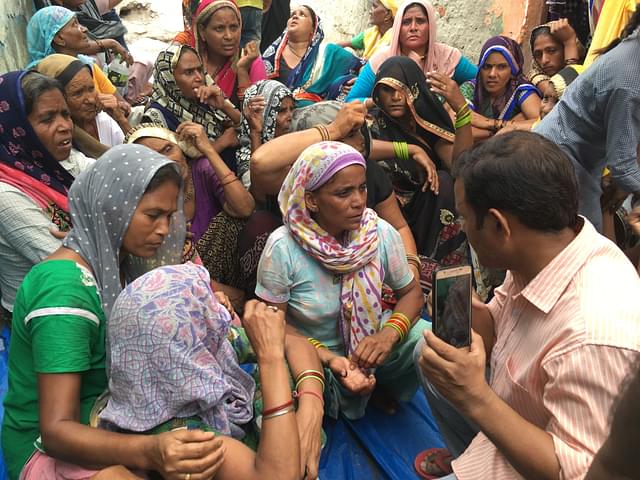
pixel 524 174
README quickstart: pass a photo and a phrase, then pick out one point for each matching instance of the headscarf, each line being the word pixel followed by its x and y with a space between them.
pixel 226 76
pixel 299 75
pixel 439 57
pixel 61 67
pixel 167 96
pixel 273 92
pixel 102 201
pixel 432 120
pixel 373 40
pixel 170 357
pixel 24 161
pixel 504 106
pixel 356 258
pixel 41 30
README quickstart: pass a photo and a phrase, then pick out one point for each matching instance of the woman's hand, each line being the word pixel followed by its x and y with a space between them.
pixel 195 134
pixel 229 138
pixel 562 30
pixel 265 327
pixel 431 178
pixel 224 300
pixel 254 111
pixel 117 49
pixel 212 95
pixel 109 103
pixel 194 452
pixel 351 116
pixel 351 377
pixel 309 420
pixel 448 88
pixel 373 350
pixel 249 55
pixel 348 85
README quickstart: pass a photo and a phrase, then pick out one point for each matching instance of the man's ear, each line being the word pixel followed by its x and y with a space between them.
pixel 501 222
pixel 310 200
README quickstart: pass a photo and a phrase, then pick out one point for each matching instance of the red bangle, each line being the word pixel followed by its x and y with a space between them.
pixel 275 409
pixel 308 392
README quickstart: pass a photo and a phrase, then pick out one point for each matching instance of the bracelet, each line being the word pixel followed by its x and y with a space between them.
pixel 278 408
pixel 298 394
pixel 400 326
pixel 463 110
pixel 402 317
pixel 234 179
pixel 401 333
pixel 401 150
pixel 316 343
pixel 311 375
pixel 324 132
pixel 463 117
pixel 279 413
pixel 316 372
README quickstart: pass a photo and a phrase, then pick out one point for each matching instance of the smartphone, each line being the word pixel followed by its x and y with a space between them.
pixel 452 305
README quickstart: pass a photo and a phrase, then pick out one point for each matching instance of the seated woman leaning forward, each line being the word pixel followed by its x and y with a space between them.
pixel 501 97
pixel 325 267
pixel 173 366
pixel 123 207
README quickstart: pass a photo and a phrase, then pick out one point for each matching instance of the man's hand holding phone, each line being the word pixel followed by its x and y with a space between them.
pixel 457 373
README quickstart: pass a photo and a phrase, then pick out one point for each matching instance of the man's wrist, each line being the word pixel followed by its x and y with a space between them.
pixel 479 406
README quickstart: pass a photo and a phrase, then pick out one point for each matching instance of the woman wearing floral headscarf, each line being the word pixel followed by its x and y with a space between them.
pixel 325 267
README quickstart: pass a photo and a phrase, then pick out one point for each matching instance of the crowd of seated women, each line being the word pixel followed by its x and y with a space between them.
pixel 192 286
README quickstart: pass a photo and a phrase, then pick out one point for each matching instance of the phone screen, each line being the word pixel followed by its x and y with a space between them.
pixel 452 319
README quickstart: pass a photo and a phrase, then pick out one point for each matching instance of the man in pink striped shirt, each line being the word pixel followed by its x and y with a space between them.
pixel 559 336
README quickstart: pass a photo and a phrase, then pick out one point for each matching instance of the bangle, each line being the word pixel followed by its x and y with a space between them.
pixel 316 343
pixel 298 394
pixel 224 184
pixel 279 413
pixel 397 329
pixel 310 375
pixel 324 132
pixel 402 317
pixel 463 117
pixel 401 150
pixel 276 409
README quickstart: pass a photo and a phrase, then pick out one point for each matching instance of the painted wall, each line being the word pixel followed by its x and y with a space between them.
pixel 14 15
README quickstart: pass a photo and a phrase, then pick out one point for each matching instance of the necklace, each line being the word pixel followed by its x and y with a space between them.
pixel 293 51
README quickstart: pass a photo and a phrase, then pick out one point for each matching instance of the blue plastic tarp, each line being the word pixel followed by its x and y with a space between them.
pixel 379 446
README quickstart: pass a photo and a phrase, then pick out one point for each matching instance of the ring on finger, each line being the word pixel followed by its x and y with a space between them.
pixel 187 476
pixel 273 308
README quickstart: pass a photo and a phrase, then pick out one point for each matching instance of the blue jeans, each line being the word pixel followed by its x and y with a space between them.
pixel 251 25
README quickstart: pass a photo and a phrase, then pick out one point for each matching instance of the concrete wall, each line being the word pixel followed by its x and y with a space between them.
pixel 14 15
pixel 465 24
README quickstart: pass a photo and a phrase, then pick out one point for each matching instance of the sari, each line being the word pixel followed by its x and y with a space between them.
pixel 168 106
pixel 273 93
pixel 518 89
pixel 321 72
pixel 431 218
pixel 170 325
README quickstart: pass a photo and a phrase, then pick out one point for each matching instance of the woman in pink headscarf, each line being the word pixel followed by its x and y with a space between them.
pixel 414 36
